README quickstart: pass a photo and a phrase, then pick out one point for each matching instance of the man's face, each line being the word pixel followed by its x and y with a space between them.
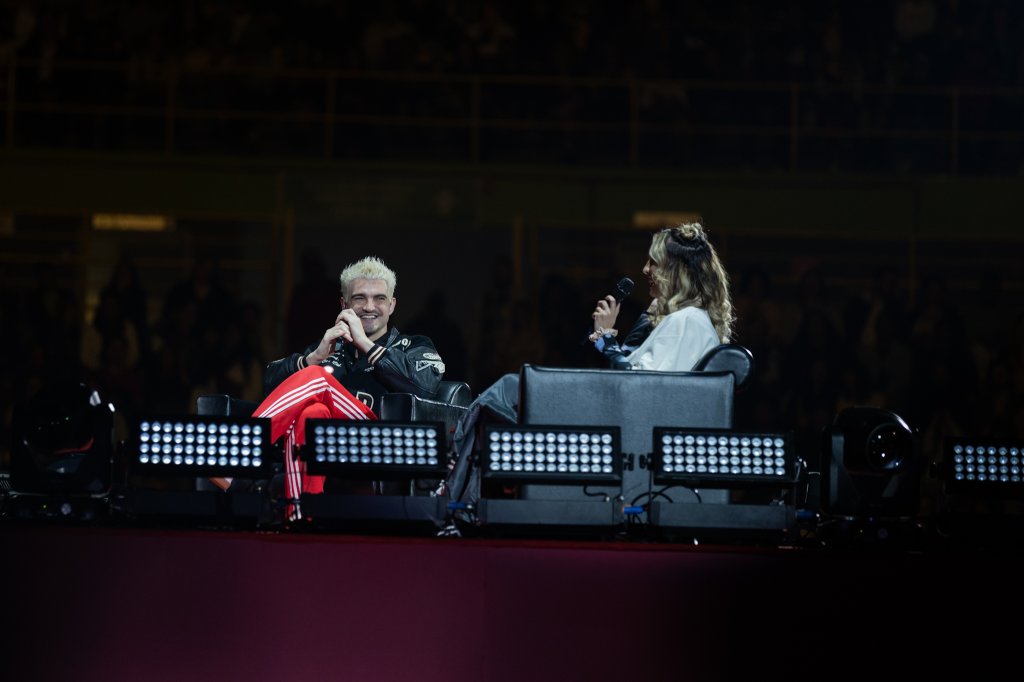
pixel 370 300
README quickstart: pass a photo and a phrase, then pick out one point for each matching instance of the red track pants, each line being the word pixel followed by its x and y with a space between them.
pixel 311 393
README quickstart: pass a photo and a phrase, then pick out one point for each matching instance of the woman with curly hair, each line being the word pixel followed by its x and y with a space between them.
pixel 690 311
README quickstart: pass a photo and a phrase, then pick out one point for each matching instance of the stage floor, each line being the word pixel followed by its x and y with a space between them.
pixel 91 603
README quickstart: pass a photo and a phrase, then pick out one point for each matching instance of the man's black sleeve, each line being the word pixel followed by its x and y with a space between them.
pixel 412 365
pixel 279 370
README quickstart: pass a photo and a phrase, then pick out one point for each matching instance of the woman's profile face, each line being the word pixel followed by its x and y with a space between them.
pixel 649 267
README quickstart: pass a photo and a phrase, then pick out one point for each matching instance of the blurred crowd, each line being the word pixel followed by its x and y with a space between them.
pixel 898 41
pixel 948 369
pixel 203 340
pixel 866 71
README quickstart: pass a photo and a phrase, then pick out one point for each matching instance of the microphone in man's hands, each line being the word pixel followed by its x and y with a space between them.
pixel 338 342
pixel 623 288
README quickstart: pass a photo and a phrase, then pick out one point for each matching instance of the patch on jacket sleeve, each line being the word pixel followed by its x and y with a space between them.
pixel 424 364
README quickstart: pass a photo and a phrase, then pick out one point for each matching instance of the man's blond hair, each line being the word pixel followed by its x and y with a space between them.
pixel 370 267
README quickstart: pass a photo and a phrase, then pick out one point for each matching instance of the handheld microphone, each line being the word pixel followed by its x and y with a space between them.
pixel 339 342
pixel 623 288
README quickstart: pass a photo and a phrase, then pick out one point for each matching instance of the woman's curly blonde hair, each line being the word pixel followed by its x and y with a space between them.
pixel 689 273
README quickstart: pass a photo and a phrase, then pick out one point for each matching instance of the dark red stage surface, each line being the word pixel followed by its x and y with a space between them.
pixel 150 604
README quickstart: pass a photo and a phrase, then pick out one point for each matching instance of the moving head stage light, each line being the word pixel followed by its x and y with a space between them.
pixel 870 465
pixel 61 453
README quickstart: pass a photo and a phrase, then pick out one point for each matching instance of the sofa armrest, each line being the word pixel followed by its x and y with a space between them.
pixel 729 357
pixel 223 405
pixel 455 393
pixel 406 407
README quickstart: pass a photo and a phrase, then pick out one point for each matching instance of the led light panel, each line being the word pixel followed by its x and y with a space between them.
pixel 375 449
pixel 984 466
pixel 202 446
pixel 714 456
pixel 552 454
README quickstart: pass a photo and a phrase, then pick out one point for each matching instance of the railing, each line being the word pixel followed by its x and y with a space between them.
pixel 334 114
